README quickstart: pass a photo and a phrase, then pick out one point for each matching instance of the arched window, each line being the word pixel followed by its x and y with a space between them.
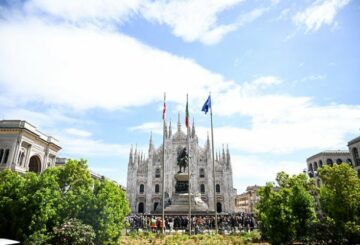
pixel 315 166
pixel 356 156
pixel 329 162
pixel 349 161
pixel 202 188
pixel 157 173
pixel 141 207
pixel 311 167
pixel 320 164
pixel 35 164
pixel 141 188
pixel 218 207
pixel 1 154
pixel 157 188
pixel 311 170
pixel 217 188
pixel 202 173
pixel 6 155
pixel 338 161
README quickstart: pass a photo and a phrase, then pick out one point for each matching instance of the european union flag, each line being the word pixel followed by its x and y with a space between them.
pixel 207 105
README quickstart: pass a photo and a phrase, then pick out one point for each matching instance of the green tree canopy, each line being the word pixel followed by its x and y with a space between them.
pixel 286 212
pixel 340 200
pixel 32 205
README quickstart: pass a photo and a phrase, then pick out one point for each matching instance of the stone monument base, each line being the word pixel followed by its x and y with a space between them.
pixel 180 205
pixel 180 200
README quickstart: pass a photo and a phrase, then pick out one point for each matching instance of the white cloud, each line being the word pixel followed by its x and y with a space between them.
pixel 78 132
pixel 278 123
pixel 42 120
pixel 94 11
pixel 281 123
pixel 191 20
pixel 87 147
pixel 85 68
pixel 250 170
pixel 251 16
pixel 310 78
pixel 250 166
pixel 319 13
pixel 197 20
pixel 155 127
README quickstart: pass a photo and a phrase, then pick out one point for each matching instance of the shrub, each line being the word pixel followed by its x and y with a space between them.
pixel 73 232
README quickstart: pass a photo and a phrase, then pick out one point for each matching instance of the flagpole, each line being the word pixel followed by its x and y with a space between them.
pixel 188 146
pixel 163 168
pixel 213 163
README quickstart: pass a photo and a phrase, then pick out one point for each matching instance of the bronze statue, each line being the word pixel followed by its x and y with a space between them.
pixel 182 159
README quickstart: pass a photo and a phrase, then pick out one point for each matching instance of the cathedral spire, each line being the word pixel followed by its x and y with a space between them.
pixel 207 145
pixel 179 124
pixel 228 161
pixel 151 144
pixel 131 155
pixel 170 129
pixel 223 154
pixel 193 129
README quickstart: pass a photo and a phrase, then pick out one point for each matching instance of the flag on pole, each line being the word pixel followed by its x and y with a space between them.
pixel 164 108
pixel 207 105
pixel 187 113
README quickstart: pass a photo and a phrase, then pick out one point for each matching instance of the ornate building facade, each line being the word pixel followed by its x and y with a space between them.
pixel 246 202
pixel 24 148
pixel 144 177
pixel 350 157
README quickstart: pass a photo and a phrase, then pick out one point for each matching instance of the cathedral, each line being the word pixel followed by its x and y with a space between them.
pixel 144 177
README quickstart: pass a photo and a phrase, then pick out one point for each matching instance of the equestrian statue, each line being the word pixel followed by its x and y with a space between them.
pixel 182 159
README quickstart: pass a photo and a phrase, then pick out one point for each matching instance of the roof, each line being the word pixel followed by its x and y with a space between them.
pixel 330 153
pixel 22 124
pixel 353 141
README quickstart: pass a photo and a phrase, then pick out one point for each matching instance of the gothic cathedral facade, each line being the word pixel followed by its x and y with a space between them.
pixel 144 177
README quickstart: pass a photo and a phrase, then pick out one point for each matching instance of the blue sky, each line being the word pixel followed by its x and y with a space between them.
pixel 284 76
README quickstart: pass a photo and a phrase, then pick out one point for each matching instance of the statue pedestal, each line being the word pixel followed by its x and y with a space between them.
pixel 180 205
pixel 182 177
pixel 182 183
pixel 180 199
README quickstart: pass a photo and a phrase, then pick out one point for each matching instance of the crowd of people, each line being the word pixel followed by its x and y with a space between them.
pixel 199 223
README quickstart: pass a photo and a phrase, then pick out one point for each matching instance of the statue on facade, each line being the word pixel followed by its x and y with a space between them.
pixel 182 159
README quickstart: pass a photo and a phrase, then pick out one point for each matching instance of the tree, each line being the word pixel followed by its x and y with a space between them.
pixel 42 199
pixel 286 212
pixel 107 212
pixel 32 205
pixel 340 201
pixel 12 211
